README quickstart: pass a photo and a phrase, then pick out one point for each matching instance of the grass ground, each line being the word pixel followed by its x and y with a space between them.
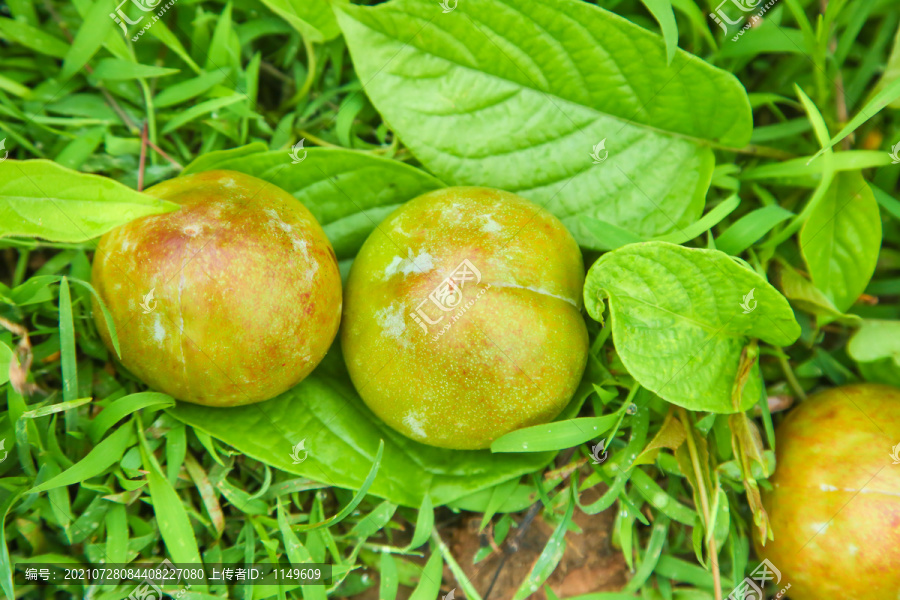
pixel 127 475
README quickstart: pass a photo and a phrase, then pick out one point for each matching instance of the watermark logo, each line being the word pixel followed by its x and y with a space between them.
pixel 296 159
pixel 895 153
pixel 146 590
pixel 600 455
pixel 297 449
pixel 895 454
pixel 6 152
pixel 146 305
pixel 149 590
pixel 751 588
pixel 147 6
pixel 722 17
pixel 449 6
pixel 595 153
pixel 448 296
pixel 3 449
pixel 749 304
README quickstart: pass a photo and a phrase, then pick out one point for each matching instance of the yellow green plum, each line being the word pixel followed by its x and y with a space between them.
pixel 835 500
pixel 230 300
pixel 462 317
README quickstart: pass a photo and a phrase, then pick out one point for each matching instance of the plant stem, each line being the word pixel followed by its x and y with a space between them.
pixel 791 378
pixel 704 500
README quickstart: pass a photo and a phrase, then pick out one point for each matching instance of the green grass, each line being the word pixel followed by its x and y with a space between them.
pixel 99 469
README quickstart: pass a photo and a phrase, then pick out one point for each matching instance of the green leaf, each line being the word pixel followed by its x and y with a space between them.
pixel 709 220
pixel 32 38
pixel 550 555
pixel 750 228
pixel 876 349
pixel 342 438
pixel 90 37
pixel 102 456
pixel 524 112
pixel 39 198
pixel 841 239
pixel 348 192
pixel 68 357
pixel 888 94
pixel 891 70
pixel 665 16
pixel 124 406
pixel 680 322
pixel 201 109
pixel 430 579
pixel 424 523
pixel 555 436
pixel 357 498
pixel 805 295
pixel 116 69
pixel 313 18
pixel 876 340
pixel 171 515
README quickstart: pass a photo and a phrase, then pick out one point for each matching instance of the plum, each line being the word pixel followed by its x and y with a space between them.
pixel 835 502
pixel 232 299
pixel 462 317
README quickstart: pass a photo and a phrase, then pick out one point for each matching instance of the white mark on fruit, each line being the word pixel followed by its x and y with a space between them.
pixel 391 320
pixel 302 246
pixel 490 225
pixel 422 263
pixel 159 332
pixel 275 220
pixel 192 229
pixel 413 420
pixel 852 550
pixel 820 527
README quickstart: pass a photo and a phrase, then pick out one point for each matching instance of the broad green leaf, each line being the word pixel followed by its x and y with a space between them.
pixel 348 192
pixel 878 341
pixel 682 318
pixel 525 111
pixel 606 235
pixel 342 437
pixel 39 198
pixel 119 69
pixel 805 295
pixel 841 239
pixel 313 18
